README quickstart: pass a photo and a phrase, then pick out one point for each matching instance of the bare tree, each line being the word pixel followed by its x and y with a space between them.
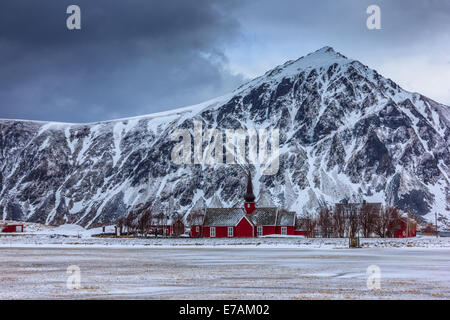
pixel 367 217
pixel 129 223
pixel 387 222
pixel 393 219
pixel 144 222
pixel 120 223
pixel 325 222
pixel 163 223
pixel 141 224
pixel 381 223
pixel 148 222
pixel 178 225
pixel 352 214
pixel 308 223
pixel 159 224
pixel 339 221
pixel 132 221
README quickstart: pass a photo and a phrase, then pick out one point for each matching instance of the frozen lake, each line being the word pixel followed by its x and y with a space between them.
pixel 224 273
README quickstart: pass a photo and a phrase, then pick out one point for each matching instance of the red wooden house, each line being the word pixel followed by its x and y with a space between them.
pixel 12 228
pixel 248 221
pixel 405 228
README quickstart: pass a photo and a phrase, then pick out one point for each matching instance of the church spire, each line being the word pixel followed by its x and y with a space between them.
pixel 249 196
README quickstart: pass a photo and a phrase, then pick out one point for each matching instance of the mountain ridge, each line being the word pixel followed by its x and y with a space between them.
pixel 345 132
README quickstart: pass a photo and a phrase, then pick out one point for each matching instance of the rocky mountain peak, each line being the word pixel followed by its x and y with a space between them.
pixel 320 60
pixel 346 132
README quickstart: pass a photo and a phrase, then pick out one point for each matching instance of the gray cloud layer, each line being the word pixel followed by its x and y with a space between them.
pixel 139 56
pixel 412 48
pixel 129 58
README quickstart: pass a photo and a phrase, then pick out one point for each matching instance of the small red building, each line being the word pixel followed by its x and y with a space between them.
pixel 405 228
pixel 12 228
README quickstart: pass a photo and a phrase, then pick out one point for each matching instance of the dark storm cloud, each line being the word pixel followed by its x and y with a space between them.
pixel 129 58
pixel 141 56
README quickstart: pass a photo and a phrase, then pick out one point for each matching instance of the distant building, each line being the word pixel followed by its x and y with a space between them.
pixel 405 228
pixel 349 208
pixel 167 226
pixel 11 228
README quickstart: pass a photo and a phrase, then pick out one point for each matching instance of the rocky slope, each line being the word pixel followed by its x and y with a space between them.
pixel 346 132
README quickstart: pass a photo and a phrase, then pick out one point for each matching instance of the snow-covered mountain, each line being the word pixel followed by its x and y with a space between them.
pixel 346 132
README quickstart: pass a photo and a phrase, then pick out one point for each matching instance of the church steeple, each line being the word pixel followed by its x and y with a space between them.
pixel 249 197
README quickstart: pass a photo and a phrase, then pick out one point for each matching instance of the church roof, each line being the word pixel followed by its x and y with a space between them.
pixel 223 216
pixel 218 217
pixel 264 216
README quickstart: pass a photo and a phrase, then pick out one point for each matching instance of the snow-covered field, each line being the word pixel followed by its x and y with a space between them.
pixel 34 265
pixel 224 273
pixel 57 240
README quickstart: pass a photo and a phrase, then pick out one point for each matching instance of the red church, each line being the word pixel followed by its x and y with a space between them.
pixel 247 222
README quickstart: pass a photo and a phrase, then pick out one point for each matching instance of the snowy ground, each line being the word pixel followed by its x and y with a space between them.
pixel 224 273
pixel 34 265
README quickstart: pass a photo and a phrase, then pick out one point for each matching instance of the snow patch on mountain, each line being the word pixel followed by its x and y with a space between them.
pixel 346 132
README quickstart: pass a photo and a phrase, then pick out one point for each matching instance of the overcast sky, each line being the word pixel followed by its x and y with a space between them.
pixel 142 56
